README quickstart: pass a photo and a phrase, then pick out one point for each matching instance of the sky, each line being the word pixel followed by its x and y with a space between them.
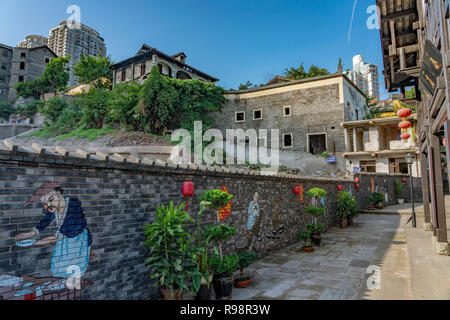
pixel 233 40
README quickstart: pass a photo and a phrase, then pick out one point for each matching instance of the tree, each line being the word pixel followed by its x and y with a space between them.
pixel 245 86
pixel 94 107
pixel 157 103
pixel 6 109
pixel 90 69
pixel 35 88
pixel 123 105
pixel 300 72
pixel 56 74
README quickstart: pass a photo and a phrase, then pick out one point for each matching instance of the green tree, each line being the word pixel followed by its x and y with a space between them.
pixel 157 103
pixel 6 109
pixel 245 86
pixel 300 73
pixel 94 107
pixel 123 105
pixel 56 74
pixel 315 71
pixel 91 68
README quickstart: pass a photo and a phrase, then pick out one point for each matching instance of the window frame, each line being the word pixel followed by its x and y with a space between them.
pixel 308 140
pixel 292 141
pixel 287 108
pixel 236 119
pixel 256 110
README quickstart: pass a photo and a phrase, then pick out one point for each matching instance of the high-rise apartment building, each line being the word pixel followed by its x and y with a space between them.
pixel 75 40
pixel 33 41
pixel 365 76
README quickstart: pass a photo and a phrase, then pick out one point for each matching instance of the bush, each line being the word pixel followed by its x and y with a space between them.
pixel 304 235
pixel 123 105
pixel 316 228
pixel 216 199
pixel 315 211
pixel 30 109
pixel 346 205
pixel 375 199
pixel 399 185
pixel 317 193
pixel 220 232
pixel 94 108
pixel 6 109
pixel 226 265
pixel 53 108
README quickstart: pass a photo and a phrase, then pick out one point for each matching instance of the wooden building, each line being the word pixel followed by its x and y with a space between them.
pixel 415 46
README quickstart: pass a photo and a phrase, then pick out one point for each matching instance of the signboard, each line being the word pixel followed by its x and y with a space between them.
pixel 431 67
pixel 331 159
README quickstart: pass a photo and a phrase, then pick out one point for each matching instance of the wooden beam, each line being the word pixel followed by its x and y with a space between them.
pixel 391 16
pixel 393 36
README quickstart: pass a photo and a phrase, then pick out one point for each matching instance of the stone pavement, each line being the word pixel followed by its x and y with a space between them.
pixel 409 268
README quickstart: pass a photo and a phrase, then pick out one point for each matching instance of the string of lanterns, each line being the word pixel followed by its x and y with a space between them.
pixel 404 113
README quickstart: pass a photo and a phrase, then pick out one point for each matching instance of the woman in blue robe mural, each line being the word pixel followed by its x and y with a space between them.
pixel 253 212
pixel 72 240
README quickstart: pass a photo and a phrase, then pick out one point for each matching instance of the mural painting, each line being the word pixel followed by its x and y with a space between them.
pixel 71 245
pixel 253 224
pixel 276 230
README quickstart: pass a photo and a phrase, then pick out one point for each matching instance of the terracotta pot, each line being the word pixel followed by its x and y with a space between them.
pixel 316 239
pixel 223 287
pixel 205 292
pixel 308 249
pixel 167 294
pixel 242 283
pixel 350 221
pixel 343 223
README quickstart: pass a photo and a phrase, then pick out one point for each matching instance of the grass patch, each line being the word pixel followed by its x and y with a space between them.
pixel 90 134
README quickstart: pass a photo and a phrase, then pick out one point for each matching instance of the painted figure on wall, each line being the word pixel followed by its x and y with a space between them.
pixel 71 243
pixel 252 212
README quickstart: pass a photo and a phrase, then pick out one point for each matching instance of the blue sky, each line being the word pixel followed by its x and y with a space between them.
pixel 233 40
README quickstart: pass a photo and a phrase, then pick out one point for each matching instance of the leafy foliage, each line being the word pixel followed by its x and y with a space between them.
pixel 90 68
pixel 315 211
pixel 30 109
pixel 123 105
pixel 300 73
pixel 246 259
pixel 172 257
pixel 375 199
pixel 346 205
pixel 317 193
pixel 216 199
pixel 399 185
pixel 94 107
pixel 305 236
pixel 6 109
pixel 316 228
pixel 226 265
pixel 219 232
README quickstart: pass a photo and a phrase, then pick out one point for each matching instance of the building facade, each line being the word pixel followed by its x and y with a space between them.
pixel 415 42
pixel 365 76
pixel 27 65
pixel 138 68
pixel 307 112
pixel 6 53
pixel 33 41
pixel 75 40
pixel 375 146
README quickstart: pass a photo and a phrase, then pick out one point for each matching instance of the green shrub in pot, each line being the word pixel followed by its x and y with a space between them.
pixel 346 207
pixel 246 259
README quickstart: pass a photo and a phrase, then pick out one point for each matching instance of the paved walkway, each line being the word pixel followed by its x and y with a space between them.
pixel 338 270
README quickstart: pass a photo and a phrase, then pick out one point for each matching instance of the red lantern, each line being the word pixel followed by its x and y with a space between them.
pixel 339 188
pixel 297 190
pixel 404 180
pixel 187 189
pixel 404 113
pixel 405 136
pixel 405 125
pixel 356 180
pixel 357 186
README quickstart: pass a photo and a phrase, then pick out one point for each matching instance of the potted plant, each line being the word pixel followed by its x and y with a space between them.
pixel 172 260
pixel 245 260
pixel 399 191
pixel 316 229
pixel 317 194
pixel 223 266
pixel 305 236
pixel 347 208
pixel 376 200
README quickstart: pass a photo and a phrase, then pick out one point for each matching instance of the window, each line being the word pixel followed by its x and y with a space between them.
pixel 21 78
pixel 366 136
pixel 357 114
pixel 142 69
pixel 257 114
pixel 23 54
pixel 368 166
pixel 317 143
pixel 240 116
pixel 287 140
pixel 2 79
pixel 287 111
pixel 47 60
pixel 22 66
pixel 5 53
pixel 124 75
pixel 4 66
pixel 398 166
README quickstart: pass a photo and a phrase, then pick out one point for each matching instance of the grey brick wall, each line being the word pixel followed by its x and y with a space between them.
pixel 119 199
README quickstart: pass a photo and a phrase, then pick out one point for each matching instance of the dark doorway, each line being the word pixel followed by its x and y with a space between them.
pixel 317 143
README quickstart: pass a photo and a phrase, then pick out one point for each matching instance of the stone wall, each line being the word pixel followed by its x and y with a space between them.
pixel 118 200
pixel 384 183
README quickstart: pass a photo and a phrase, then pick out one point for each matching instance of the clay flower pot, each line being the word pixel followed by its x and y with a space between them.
pixel 167 294
pixel 308 249
pixel 242 283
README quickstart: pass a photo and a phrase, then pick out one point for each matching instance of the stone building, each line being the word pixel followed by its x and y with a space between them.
pixel 307 112
pixel 139 66
pixel 75 40
pixel 375 146
pixel 6 53
pixel 27 65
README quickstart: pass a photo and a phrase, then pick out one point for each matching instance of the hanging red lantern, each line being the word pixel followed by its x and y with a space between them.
pixel 187 189
pixel 405 136
pixel 297 190
pixel 357 186
pixel 404 113
pixel 339 187
pixel 405 125
pixel 356 180
pixel 404 180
